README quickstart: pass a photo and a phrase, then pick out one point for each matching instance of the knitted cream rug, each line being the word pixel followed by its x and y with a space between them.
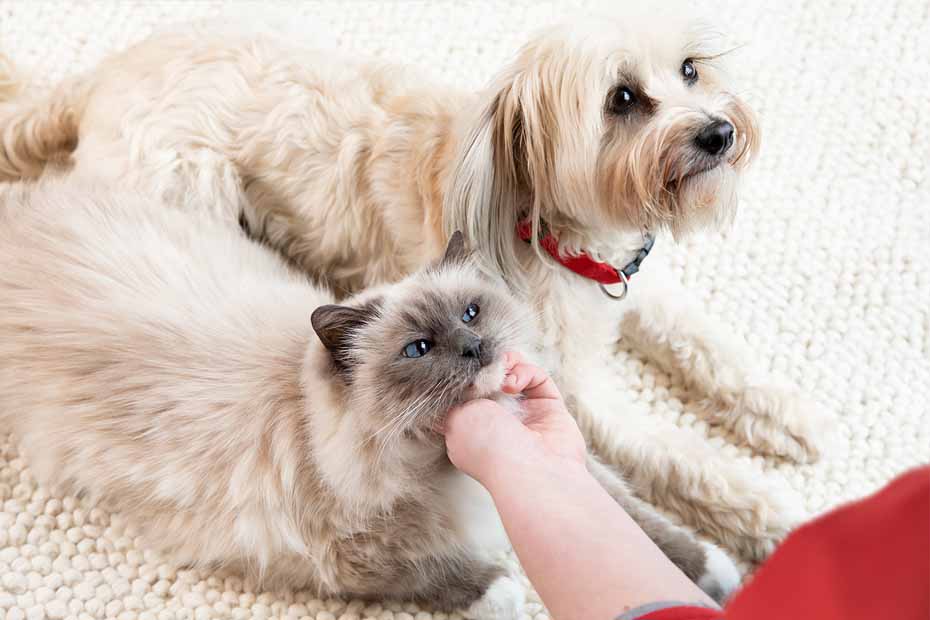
pixel 825 271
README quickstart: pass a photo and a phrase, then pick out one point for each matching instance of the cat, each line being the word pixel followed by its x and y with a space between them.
pixel 159 363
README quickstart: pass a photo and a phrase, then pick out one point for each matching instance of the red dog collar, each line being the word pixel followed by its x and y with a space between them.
pixel 585 266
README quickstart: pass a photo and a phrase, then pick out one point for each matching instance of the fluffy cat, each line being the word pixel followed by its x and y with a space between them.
pixel 161 364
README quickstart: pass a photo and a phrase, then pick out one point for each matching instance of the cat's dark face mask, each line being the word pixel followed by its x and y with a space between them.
pixel 430 342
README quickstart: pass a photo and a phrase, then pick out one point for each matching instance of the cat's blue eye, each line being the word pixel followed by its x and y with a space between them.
pixel 470 312
pixel 417 348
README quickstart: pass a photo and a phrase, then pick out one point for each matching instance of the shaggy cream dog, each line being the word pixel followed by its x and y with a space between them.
pixel 599 134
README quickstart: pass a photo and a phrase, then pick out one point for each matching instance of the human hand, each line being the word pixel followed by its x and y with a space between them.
pixel 483 438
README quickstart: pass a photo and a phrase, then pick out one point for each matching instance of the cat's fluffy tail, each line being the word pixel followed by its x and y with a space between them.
pixel 35 129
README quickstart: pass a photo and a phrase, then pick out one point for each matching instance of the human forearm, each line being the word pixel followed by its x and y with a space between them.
pixel 586 557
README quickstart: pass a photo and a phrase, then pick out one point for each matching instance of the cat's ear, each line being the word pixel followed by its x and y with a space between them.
pixel 334 325
pixel 455 250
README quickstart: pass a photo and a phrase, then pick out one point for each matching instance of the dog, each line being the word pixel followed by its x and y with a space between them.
pixel 599 136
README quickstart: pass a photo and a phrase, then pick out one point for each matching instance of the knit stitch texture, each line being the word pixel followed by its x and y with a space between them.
pixel 825 271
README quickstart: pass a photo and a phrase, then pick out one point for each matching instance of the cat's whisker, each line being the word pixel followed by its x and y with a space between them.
pixel 420 401
pixel 398 422
pixel 436 394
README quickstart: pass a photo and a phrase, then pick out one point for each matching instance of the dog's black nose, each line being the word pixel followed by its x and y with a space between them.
pixel 716 138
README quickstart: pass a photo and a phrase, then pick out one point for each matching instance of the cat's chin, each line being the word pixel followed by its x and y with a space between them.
pixel 488 381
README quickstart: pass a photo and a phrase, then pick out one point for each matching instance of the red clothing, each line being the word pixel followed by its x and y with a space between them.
pixel 869 560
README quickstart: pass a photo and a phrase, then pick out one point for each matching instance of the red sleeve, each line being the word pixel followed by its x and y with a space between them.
pixel 683 613
pixel 868 560
pixel 864 561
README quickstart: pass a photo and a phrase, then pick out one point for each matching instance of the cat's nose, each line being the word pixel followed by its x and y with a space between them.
pixel 469 344
pixel 472 349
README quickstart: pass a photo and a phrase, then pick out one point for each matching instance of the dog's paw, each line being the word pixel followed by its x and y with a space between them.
pixel 781 509
pixel 749 512
pixel 504 600
pixel 720 576
pixel 788 424
pixel 776 421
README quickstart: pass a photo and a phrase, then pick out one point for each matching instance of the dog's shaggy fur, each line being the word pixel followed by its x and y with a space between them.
pixel 358 170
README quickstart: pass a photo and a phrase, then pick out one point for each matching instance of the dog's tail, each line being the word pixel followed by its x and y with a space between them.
pixel 35 130
pixel 11 83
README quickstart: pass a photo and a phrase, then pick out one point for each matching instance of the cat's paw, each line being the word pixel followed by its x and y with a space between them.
pixel 720 575
pixel 503 600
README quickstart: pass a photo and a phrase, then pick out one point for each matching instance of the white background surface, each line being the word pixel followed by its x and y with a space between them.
pixel 825 271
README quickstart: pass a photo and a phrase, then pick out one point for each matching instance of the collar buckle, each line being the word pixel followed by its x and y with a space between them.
pixel 582 264
pixel 631 268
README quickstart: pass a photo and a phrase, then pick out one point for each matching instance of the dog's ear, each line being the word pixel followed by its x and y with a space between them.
pixel 501 172
pixel 336 327
pixel 524 134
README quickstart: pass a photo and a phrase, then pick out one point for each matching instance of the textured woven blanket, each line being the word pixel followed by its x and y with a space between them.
pixel 825 270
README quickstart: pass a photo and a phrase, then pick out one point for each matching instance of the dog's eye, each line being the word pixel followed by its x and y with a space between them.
pixel 688 71
pixel 623 100
pixel 470 312
pixel 417 348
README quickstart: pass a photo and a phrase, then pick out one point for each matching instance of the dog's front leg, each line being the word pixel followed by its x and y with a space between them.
pixel 737 504
pixel 664 323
